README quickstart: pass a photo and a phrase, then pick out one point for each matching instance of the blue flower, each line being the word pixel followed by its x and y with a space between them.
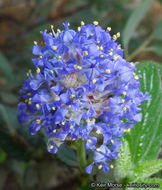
pixel 82 87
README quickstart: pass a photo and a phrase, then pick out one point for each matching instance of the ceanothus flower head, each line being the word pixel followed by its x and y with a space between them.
pixel 82 88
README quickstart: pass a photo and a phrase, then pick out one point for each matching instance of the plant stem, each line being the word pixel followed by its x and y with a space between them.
pixel 81 153
pixel 141 48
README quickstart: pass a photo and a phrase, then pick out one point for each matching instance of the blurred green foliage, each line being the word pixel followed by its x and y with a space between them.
pixel 24 161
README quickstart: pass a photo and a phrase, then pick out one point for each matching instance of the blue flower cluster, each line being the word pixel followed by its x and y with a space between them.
pixel 82 88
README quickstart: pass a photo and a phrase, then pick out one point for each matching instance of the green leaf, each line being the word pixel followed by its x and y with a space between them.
pixel 157 31
pixel 144 139
pixel 159 66
pixel 157 48
pixel 5 67
pixel 146 169
pixel 67 155
pixel 134 20
pixel 123 163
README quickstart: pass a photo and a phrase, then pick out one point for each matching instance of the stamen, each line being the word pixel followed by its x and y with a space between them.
pixel 108 71
pixel 100 166
pixel 101 48
pixel 124 108
pixel 95 23
pixel 94 81
pixel 72 96
pixel 37 105
pixel 112 141
pixel 53 108
pixel 136 77
pixel 54 47
pixel 57 98
pixel 118 34
pixel 82 23
pixel 51 147
pixel 122 100
pixel 98 131
pixel 38 121
pixel 114 37
pixel 132 63
pixel 78 67
pixel 111 166
pixel 85 53
pixel 54 131
pixel 88 120
pixel 115 57
pixel 38 70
